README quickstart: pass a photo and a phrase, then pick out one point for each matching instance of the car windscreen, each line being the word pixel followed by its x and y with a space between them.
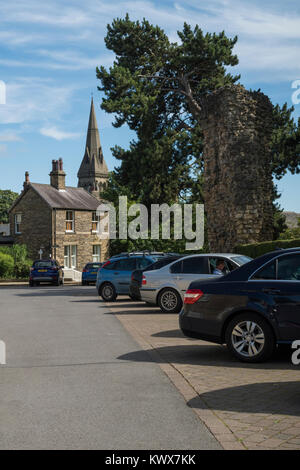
pixel 43 264
pixel 241 259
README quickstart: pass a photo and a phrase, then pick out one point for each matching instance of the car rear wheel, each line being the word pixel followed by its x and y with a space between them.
pixel 108 292
pixel 169 301
pixel 250 338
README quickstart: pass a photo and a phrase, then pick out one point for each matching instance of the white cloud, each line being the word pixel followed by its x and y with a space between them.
pixel 9 137
pixel 31 99
pixel 57 134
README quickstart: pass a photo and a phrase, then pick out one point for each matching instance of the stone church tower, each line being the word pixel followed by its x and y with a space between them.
pixel 93 172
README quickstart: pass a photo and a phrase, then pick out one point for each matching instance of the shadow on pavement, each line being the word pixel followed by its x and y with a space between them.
pixel 271 397
pixel 56 291
pixel 211 355
pixel 169 334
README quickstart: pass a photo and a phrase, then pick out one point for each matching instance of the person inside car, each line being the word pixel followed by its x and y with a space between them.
pixel 220 265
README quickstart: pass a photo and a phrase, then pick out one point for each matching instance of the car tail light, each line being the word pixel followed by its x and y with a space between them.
pixel 84 270
pixel 144 280
pixel 192 295
pixel 32 268
pixel 132 278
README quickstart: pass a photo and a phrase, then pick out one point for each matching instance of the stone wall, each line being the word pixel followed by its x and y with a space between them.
pixel 82 237
pixel 238 179
pixel 36 224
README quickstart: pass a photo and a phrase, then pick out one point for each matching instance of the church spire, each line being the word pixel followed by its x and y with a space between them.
pixel 93 172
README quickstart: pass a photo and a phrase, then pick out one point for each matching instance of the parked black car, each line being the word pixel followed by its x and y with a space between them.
pixel 137 275
pixel 251 309
pixel 46 270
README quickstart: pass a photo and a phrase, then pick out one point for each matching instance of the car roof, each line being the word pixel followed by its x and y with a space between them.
pixel 117 258
pixel 43 260
pixel 243 272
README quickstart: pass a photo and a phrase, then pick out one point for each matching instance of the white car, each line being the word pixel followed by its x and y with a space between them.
pixel 166 287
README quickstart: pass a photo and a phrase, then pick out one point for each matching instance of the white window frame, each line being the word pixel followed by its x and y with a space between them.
pixel 18 221
pixel 70 256
pixel 70 221
pixel 95 220
pixel 96 257
pixel 67 256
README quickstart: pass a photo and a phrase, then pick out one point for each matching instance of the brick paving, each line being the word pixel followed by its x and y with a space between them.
pixel 246 406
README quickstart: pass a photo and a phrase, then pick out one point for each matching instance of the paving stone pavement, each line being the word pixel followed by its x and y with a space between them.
pixel 246 406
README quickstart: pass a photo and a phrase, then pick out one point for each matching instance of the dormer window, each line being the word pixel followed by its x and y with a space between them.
pixel 69 221
pixel 18 220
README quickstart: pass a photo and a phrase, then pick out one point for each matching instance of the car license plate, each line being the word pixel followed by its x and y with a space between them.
pixel 42 270
pixel 94 272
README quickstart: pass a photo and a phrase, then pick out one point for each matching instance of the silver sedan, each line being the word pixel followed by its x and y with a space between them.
pixel 165 287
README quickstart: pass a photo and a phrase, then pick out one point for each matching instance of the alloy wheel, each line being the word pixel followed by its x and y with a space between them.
pixel 169 300
pixel 248 339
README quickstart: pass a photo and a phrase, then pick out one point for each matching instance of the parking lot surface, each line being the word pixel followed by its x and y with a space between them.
pixel 246 406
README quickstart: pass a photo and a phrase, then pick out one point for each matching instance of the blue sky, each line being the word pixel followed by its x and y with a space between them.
pixel 49 51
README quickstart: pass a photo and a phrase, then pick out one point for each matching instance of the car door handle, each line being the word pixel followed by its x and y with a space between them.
pixel 271 291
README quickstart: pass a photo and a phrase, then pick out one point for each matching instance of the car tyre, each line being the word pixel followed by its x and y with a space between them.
pixel 250 338
pixel 169 301
pixel 108 292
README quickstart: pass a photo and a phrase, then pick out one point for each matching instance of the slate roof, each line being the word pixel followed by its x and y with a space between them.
pixel 69 198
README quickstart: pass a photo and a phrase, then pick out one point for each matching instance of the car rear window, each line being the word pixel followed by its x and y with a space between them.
pixel 161 263
pixel 93 266
pixel 43 264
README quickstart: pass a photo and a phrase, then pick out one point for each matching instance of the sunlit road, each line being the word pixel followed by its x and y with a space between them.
pixel 66 386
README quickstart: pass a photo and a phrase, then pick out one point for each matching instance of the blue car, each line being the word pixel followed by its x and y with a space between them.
pixel 46 270
pixel 114 277
pixel 89 273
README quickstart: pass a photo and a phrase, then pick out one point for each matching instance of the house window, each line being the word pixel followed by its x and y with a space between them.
pixel 95 222
pixel 96 253
pixel 18 220
pixel 69 221
pixel 70 256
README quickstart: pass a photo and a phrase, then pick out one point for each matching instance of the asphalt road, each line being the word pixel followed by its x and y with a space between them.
pixel 65 385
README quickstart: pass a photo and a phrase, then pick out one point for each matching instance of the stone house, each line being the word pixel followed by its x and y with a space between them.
pixel 61 220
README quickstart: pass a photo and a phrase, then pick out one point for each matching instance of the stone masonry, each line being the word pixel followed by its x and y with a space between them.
pixel 36 224
pixel 238 179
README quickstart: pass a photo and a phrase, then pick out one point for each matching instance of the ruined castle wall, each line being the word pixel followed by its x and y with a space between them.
pixel 238 178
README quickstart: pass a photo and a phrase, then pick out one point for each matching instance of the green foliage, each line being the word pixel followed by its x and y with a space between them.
pixel 6 265
pixel 285 142
pixel 7 198
pixel 291 232
pixel 146 89
pixel 257 249
pixel 156 87
pixel 21 263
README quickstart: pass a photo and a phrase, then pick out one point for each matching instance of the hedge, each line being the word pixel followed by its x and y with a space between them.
pixel 21 263
pixel 257 249
pixel 6 265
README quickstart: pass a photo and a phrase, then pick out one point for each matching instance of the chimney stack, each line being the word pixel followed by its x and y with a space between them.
pixel 57 175
pixel 26 182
